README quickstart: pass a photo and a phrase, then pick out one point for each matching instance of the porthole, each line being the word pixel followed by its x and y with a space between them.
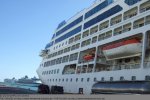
pixel 102 79
pixel 111 78
pixel 133 78
pixel 121 78
pixel 88 79
pixel 95 79
pixel 147 78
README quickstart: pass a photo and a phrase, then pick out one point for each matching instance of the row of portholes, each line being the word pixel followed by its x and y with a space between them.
pixel 71 80
pixel 133 78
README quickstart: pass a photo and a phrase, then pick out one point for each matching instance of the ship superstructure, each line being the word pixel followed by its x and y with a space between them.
pixel 107 42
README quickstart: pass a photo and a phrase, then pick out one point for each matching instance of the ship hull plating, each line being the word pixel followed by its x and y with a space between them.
pixel 139 87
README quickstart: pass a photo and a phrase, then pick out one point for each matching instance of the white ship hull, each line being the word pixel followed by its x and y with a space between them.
pixel 63 61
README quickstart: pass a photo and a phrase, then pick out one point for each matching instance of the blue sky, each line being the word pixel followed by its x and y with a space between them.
pixel 26 26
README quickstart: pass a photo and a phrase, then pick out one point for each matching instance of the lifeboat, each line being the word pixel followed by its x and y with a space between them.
pixel 88 57
pixel 123 49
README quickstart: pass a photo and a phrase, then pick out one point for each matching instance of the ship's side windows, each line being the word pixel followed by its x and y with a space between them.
pixel 127 60
pixel 90 68
pixel 62 80
pixel 62 44
pixel 147 78
pixel 59 80
pixel 57 71
pixel 127 27
pixel 56 80
pixel 83 44
pixel 77 45
pixel 71 80
pixel 73 57
pixel 133 78
pixel 67 80
pixel 98 8
pixel 118 30
pixel 93 30
pixel 116 19
pixel 88 41
pixel 147 20
pixel 131 2
pixel 95 79
pixel 68 49
pixel 76 79
pixel 52 71
pixel 85 34
pixel 121 78
pixel 65 59
pixel 94 39
pixel 46 73
pixel 102 79
pixel 104 25
pixel 77 37
pixel 88 79
pixel 59 52
pixel 71 40
pixel 145 6
pixel 130 13
pixel 138 23
pixel 111 78
pixel 59 60
pixel 101 37
pixel 103 16
pixel 73 47
pixel 65 50
pixel 82 79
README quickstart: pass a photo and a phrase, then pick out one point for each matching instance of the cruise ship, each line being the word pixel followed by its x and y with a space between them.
pixel 103 48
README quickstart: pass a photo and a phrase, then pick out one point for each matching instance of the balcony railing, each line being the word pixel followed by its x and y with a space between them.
pixel 126 66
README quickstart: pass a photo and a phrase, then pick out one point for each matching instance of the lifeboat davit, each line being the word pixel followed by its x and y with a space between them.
pixel 123 49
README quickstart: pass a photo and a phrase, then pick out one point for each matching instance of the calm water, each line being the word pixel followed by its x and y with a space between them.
pixel 24 86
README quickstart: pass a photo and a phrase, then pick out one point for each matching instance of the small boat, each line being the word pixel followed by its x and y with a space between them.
pixel 123 49
pixel 88 57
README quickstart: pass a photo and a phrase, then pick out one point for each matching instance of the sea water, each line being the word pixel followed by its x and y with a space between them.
pixel 33 87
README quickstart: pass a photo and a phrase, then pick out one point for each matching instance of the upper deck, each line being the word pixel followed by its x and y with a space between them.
pixel 80 26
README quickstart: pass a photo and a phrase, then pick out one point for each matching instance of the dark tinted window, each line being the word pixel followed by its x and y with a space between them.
pixel 98 8
pixel 131 2
pixel 69 34
pixel 70 25
pixel 103 16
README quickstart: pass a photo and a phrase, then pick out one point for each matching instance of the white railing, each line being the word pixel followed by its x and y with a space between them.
pixel 126 66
